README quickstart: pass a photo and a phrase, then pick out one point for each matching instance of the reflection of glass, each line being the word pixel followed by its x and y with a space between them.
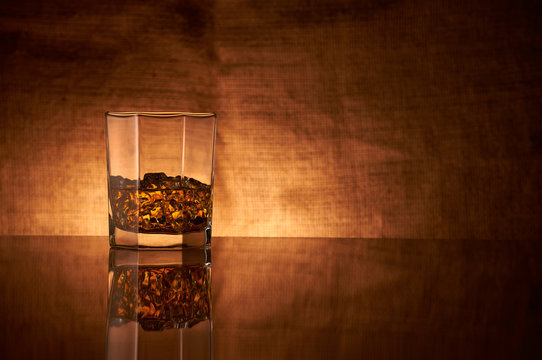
pixel 159 304
pixel 160 176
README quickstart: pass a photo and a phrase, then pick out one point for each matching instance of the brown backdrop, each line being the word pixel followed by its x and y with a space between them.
pixel 409 119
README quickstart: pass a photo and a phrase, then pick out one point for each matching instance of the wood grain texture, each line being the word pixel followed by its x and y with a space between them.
pixel 298 298
pixel 336 118
pixel 282 298
pixel 54 297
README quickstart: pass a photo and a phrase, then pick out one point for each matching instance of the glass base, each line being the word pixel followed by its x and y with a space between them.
pixel 122 238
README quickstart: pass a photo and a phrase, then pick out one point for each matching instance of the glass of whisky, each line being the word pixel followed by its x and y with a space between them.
pixel 160 178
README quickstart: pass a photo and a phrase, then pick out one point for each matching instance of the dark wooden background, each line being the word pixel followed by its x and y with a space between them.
pixel 407 119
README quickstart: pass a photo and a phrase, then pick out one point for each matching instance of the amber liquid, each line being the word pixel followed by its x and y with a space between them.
pixel 161 204
pixel 161 297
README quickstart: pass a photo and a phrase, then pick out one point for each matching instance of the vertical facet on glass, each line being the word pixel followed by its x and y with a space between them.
pixel 160 175
pixel 159 304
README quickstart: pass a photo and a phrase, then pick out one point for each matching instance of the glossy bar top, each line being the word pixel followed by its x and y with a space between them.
pixel 295 298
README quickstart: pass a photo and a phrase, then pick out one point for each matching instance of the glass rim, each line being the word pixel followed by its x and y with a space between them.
pixel 157 113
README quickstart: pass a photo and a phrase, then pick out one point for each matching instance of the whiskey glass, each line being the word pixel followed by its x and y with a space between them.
pixel 159 304
pixel 160 178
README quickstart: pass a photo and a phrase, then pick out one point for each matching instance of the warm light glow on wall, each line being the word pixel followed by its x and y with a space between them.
pixel 339 120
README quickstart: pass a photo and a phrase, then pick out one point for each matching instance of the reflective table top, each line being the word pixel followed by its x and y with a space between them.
pixel 294 298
